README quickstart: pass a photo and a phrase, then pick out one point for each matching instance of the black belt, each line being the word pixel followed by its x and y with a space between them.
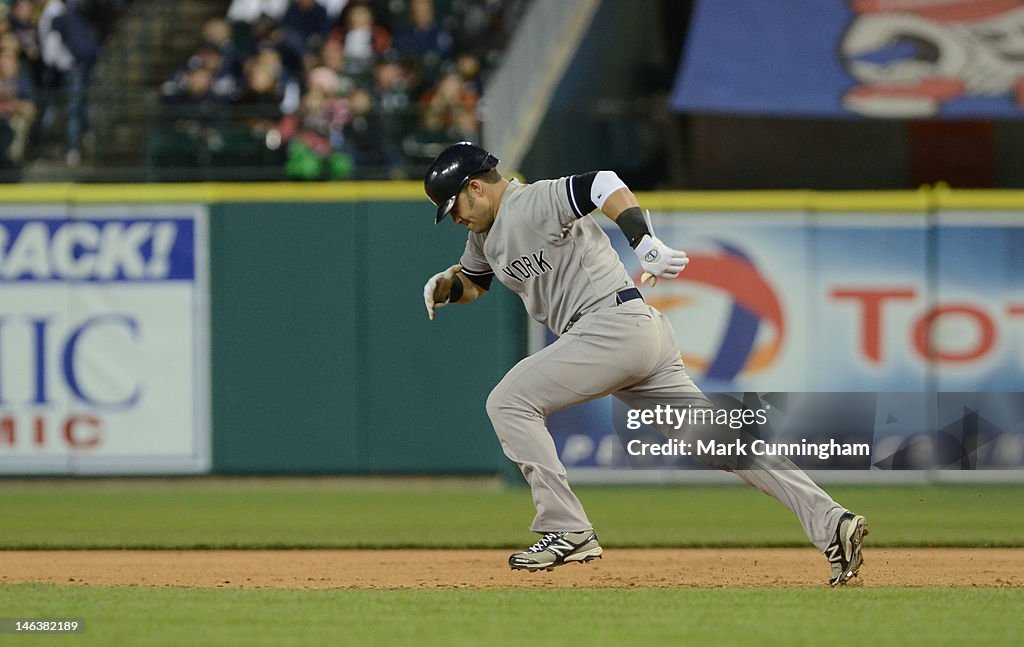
pixel 627 295
pixel 622 296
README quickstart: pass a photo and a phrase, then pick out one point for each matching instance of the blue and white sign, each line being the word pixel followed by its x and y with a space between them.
pixel 104 340
pixel 893 59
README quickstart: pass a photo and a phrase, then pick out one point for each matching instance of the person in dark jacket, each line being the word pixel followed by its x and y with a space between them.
pixel 423 39
pixel 82 39
pixel 305 26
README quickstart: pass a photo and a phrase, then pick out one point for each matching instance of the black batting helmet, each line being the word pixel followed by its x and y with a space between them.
pixel 450 171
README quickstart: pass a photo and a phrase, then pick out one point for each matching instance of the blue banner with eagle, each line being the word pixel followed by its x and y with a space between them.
pixel 889 59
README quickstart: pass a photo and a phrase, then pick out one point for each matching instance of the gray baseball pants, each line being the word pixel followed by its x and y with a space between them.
pixel 629 351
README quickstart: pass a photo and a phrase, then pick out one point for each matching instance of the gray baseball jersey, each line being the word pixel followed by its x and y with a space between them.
pixel 544 247
pixel 540 248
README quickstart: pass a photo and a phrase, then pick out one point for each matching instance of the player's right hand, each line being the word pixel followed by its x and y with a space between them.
pixel 438 289
pixel 658 259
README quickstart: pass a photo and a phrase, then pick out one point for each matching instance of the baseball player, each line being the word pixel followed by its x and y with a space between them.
pixel 540 241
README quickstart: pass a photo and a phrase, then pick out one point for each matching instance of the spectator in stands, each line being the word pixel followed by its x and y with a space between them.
pixel 193 117
pixel 332 57
pixel 223 86
pixel 22 21
pixel 448 111
pixel 268 57
pixel 263 88
pixel 57 64
pixel 218 32
pixel 366 142
pixel 226 84
pixel 81 38
pixel 17 110
pixel 259 106
pixel 393 98
pixel 362 39
pixel 303 30
pixel 263 92
pixel 193 87
pixel 468 66
pixel 424 40
pixel 314 137
pixel 305 26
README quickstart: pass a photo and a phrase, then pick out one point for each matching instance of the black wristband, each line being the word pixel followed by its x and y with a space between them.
pixel 631 222
pixel 456 292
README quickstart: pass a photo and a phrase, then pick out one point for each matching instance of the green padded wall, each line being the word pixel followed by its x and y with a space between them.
pixel 323 359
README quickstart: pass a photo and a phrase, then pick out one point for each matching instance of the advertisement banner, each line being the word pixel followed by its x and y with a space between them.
pixel 893 59
pixel 104 340
pixel 795 306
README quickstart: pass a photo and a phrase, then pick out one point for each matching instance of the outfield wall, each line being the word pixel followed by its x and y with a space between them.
pixel 317 356
pixel 299 344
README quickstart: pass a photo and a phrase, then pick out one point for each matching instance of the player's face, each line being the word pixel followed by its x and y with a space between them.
pixel 473 210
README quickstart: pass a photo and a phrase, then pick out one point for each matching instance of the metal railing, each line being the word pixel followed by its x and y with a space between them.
pixel 135 137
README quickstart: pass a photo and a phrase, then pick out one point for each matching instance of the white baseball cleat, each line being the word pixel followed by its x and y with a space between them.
pixel 555 549
pixel 844 553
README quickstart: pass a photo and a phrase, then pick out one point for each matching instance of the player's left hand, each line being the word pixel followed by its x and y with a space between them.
pixel 658 259
pixel 438 289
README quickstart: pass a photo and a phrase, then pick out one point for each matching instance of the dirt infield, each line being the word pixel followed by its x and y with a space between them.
pixel 486 569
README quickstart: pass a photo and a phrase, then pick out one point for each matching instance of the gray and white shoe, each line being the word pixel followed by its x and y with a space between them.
pixel 844 553
pixel 555 549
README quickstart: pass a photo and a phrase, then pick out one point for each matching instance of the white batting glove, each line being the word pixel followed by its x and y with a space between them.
pixel 658 259
pixel 438 289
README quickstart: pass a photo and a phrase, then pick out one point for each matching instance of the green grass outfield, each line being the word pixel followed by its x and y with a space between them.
pixel 340 513
pixel 176 616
